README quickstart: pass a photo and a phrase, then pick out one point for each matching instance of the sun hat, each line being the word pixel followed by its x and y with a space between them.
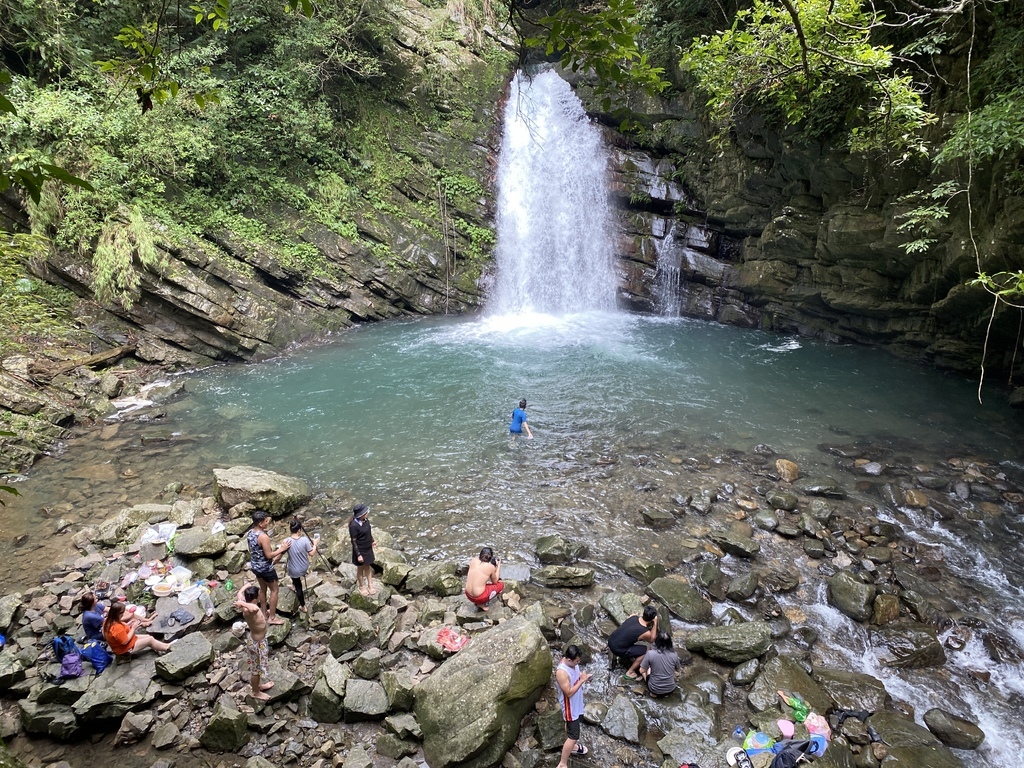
pixel 360 510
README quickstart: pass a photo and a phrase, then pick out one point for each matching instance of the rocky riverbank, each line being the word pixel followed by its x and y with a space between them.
pixel 364 680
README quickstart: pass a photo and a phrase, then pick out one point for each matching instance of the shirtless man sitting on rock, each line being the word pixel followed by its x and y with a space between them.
pixel 256 649
pixel 483 583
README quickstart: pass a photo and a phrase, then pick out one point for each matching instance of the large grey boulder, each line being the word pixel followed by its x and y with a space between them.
pixel 624 720
pixel 125 687
pixel 277 494
pixel 199 542
pixel 621 606
pixel 55 720
pixel 852 690
pixel 187 656
pixel 909 744
pixel 470 708
pixel 734 644
pixel 912 645
pixel 9 605
pixel 681 598
pixel 11 671
pixel 556 549
pixel 563 576
pixel 851 596
pixel 784 674
pixel 953 731
pixel 438 577
pixel 227 729
pixel 364 700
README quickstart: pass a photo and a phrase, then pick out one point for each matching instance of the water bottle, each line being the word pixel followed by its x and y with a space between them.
pixel 229 585
pixel 205 601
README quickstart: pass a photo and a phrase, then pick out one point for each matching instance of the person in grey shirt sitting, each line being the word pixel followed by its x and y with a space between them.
pixel 660 665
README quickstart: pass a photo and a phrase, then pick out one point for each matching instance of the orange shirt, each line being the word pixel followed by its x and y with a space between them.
pixel 117 638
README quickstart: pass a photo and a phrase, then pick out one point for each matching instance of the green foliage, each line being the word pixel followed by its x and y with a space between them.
pixel 1006 286
pixel 30 309
pixel 124 241
pixel 606 42
pixel 922 221
pixel 793 58
pixel 991 133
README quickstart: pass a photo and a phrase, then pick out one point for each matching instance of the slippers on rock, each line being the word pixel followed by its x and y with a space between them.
pixel 580 750
pixel 630 679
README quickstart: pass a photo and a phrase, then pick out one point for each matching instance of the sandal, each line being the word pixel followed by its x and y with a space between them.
pixel 631 679
pixel 580 750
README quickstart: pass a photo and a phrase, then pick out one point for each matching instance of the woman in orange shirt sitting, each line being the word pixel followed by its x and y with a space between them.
pixel 120 635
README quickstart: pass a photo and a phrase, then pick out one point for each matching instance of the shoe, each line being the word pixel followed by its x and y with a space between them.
pixel 580 750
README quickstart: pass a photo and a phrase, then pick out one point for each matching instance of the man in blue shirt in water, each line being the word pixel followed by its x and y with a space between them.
pixel 519 425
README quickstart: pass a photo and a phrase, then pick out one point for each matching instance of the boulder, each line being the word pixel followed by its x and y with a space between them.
pixel 736 544
pixel 624 721
pixel 189 655
pixel 910 745
pixel 784 674
pixel 125 688
pixel 621 606
pixel 553 576
pixel 165 736
pixel 55 720
pixel 277 494
pixel 134 726
pixel 470 708
pixel 822 486
pixel 227 730
pixel 953 731
pixel 404 726
pixel 199 542
pixel 398 686
pixel 852 690
pixel 325 705
pixel 9 605
pixel 437 577
pixel 644 571
pixel 733 644
pixel 555 549
pixel 912 645
pixel 364 700
pixel 681 599
pixel 12 671
pixel 851 596
pixel 788 470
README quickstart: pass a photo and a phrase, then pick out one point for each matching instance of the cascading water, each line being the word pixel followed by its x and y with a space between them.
pixel 554 250
pixel 666 287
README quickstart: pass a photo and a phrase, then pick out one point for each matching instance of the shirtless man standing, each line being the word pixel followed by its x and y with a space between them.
pixel 483 583
pixel 256 649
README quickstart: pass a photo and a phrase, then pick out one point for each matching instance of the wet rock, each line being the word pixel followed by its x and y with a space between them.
pixel 266 490
pixel 624 720
pixel 1002 648
pixel 621 606
pixel 658 519
pixel 394 574
pixel 852 690
pixel 784 674
pixel 681 599
pixel 432 576
pixel 914 498
pixel 778 581
pixel 766 520
pixel 787 470
pixel 227 730
pixel 912 645
pixel 745 673
pixel 644 571
pixel 688 744
pixel 736 544
pixel 742 587
pixel 556 549
pixel 908 744
pixel 471 707
pixel 814 549
pixel 733 644
pixel 199 542
pixel 886 609
pixel 781 499
pixel 822 486
pixel 953 731
pixel 852 597
pixel 554 576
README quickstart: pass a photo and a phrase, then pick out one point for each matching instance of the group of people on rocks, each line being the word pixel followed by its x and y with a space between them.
pixel 117 626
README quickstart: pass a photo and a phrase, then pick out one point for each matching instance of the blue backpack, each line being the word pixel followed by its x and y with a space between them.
pixel 97 655
pixel 63 645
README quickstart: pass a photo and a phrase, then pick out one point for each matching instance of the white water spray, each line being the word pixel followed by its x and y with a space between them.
pixel 554 250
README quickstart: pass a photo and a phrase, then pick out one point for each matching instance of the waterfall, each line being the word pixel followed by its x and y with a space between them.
pixel 667 269
pixel 554 253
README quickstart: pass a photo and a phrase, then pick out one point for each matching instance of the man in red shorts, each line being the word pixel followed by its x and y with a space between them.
pixel 483 583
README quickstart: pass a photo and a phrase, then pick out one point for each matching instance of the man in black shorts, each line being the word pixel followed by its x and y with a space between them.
pixel 627 641
pixel 569 681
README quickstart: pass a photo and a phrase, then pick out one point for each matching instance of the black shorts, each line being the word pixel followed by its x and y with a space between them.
pixel 572 729
pixel 267 576
pixel 632 652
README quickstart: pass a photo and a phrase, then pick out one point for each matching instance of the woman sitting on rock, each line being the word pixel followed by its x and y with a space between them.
pixel 659 666
pixel 120 635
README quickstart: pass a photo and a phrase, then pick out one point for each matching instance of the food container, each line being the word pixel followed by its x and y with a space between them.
pixel 180 574
pixel 163 589
pixel 153 580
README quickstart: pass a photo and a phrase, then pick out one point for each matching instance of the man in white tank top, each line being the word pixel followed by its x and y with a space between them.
pixel 569 682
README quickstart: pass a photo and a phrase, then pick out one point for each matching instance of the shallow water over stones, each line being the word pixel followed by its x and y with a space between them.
pixel 654 439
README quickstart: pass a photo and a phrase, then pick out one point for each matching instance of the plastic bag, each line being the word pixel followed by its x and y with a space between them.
pixel 450 640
